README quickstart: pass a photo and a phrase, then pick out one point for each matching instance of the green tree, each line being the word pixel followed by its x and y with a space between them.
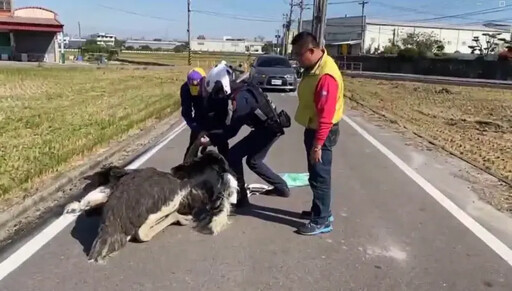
pixel 118 43
pixel 267 48
pixel 424 43
pixel 180 48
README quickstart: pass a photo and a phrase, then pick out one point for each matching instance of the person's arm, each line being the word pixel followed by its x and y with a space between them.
pixel 186 106
pixel 245 106
pixel 325 103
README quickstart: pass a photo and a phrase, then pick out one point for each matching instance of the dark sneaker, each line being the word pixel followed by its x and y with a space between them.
pixel 307 215
pixel 275 192
pixel 313 229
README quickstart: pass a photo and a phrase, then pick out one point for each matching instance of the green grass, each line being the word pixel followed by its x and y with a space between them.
pixel 50 117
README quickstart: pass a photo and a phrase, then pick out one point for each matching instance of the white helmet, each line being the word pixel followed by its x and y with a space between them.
pixel 221 73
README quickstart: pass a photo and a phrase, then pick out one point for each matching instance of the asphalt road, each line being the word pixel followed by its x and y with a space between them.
pixel 389 232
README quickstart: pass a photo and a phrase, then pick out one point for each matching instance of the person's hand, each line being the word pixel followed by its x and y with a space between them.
pixel 205 141
pixel 315 156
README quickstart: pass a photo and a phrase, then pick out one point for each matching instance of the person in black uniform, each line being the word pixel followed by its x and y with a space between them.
pixel 193 104
pixel 248 105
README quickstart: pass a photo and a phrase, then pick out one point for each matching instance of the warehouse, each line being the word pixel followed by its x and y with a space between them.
pixel 233 45
pixel 154 44
pixel 28 34
pixel 347 31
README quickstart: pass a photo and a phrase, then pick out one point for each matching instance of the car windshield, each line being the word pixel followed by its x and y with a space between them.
pixel 273 62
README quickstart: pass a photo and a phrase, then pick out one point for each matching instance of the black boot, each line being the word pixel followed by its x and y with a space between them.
pixel 243 199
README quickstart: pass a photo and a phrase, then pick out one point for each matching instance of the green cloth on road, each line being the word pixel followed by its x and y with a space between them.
pixel 296 179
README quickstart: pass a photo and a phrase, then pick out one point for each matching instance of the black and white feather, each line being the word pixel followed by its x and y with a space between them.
pixel 139 203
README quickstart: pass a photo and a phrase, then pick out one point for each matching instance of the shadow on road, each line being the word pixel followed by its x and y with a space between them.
pixel 85 230
pixel 271 214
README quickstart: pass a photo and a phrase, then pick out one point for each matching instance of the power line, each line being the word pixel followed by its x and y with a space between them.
pixel 235 16
pixel 342 2
pixel 418 11
pixel 472 13
pixel 136 13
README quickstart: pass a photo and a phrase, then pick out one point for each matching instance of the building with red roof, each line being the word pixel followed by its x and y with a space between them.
pixel 28 33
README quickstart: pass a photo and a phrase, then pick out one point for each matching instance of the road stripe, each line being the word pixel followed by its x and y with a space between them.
pixel 493 242
pixel 31 247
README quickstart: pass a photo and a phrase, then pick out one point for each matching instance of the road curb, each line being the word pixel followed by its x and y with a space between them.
pixel 429 79
pixel 151 136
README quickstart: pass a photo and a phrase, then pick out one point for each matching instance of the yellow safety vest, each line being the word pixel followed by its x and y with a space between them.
pixel 306 113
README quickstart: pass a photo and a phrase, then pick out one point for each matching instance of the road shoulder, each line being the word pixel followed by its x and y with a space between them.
pixel 465 185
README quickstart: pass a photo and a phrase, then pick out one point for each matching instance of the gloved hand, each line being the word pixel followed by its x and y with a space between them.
pixel 205 141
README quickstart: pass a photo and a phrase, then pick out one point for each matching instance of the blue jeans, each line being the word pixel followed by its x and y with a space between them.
pixel 320 174
pixel 254 147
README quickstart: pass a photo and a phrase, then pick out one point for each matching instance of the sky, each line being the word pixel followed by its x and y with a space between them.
pixel 167 19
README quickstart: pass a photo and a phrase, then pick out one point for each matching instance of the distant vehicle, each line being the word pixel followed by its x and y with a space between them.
pixel 296 67
pixel 273 72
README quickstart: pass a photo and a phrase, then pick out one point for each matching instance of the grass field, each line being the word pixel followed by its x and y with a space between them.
pixel 181 59
pixel 52 116
pixel 474 123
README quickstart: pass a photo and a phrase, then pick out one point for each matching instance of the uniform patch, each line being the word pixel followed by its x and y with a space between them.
pixel 323 93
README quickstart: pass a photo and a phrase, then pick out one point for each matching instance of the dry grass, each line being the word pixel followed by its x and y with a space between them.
pixel 474 123
pixel 181 59
pixel 50 116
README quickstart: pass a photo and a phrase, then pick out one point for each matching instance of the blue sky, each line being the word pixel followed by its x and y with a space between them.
pixel 169 17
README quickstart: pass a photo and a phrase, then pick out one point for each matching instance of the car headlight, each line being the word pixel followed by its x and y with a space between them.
pixel 289 77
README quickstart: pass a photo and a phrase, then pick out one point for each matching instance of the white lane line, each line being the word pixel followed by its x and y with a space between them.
pixel 493 242
pixel 31 247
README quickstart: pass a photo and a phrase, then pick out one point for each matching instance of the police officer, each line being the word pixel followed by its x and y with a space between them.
pixel 248 105
pixel 193 102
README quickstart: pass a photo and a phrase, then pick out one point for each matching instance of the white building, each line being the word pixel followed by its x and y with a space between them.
pixel 379 33
pixel 152 44
pixel 104 38
pixel 226 45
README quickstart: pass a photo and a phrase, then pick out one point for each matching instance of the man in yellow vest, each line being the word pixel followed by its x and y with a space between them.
pixel 320 110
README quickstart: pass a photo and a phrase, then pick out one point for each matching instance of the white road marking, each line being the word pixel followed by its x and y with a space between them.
pixel 493 242
pixel 31 247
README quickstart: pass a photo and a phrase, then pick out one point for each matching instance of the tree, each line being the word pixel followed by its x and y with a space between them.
pixel 259 38
pixel 267 48
pixel 424 43
pixel 391 49
pixel 145 47
pixel 118 43
pixel 492 44
pixel 180 48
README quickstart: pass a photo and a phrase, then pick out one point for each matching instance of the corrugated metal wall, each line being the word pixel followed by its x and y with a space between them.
pixel 40 46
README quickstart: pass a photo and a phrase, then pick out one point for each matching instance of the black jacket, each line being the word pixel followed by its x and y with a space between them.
pixel 243 114
pixel 193 108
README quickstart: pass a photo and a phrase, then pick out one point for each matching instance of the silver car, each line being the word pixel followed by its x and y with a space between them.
pixel 273 72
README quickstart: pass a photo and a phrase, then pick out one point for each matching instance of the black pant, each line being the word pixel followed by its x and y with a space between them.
pixel 194 135
pixel 255 147
pixel 320 174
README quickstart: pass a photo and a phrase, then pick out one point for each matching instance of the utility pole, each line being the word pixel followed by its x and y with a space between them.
pixel 319 19
pixel 79 31
pixel 301 9
pixel 283 37
pixel 188 32
pixel 277 41
pixel 363 3
pixel 288 28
